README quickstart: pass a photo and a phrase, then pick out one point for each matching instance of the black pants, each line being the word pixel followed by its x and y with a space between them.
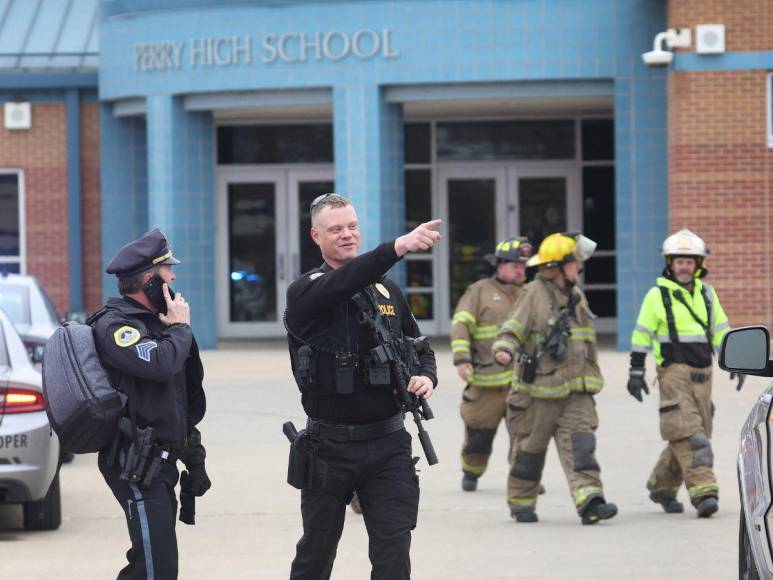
pixel 382 473
pixel 150 516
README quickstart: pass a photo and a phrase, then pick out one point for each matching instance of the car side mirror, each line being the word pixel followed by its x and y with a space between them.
pixel 747 350
pixel 76 316
pixel 37 353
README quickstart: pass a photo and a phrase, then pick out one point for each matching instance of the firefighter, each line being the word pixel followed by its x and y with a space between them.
pixel 484 306
pixel 555 380
pixel 682 321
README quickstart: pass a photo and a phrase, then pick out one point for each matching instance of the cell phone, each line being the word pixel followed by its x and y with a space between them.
pixel 153 289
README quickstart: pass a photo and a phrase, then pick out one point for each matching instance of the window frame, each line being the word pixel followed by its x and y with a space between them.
pixel 768 108
pixel 21 259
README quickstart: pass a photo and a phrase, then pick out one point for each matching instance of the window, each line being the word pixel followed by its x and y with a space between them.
pixel 256 144
pixel 505 140
pixel 11 223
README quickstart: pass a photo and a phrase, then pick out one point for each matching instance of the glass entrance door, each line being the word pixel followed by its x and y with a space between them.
pixel 544 199
pixel 263 244
pixel 472 204
pixel 304 186
pixel 484 203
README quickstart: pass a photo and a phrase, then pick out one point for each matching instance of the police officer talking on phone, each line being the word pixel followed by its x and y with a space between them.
pixel 144 341
pixel 355 439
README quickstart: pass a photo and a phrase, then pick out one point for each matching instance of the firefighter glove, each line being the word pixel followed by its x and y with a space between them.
pixel 636 383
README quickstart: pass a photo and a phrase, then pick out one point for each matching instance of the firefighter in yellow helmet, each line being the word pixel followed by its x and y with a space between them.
pixel 483 307
pixel 682 321
pixel 550 333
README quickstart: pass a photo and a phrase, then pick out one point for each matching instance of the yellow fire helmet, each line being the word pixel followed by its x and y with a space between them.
pixel 561 248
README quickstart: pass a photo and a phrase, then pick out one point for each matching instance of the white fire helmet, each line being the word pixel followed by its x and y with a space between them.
pixel 684 243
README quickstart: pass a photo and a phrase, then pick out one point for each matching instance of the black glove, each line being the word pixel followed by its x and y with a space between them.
pixel 193 457
pixel 198 480
pixel 741 380
pixel 187 500
pixel 636 383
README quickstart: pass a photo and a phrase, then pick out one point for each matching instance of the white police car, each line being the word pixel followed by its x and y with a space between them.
pixel 29 450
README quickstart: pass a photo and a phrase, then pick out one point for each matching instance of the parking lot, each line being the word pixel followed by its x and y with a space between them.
pixel 248 523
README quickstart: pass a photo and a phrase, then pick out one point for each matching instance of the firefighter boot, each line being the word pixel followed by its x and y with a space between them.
pixel 670 505
pixel 469 482
pixel 524 516
pixel 598 510
pixel 707 507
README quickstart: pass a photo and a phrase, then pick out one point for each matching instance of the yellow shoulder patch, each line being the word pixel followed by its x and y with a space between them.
pixel 126 336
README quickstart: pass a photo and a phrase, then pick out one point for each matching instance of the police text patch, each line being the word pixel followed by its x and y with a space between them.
pixel 387 309
pixel 126 336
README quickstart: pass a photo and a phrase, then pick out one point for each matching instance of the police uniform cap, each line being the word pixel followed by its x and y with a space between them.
pixel 150 249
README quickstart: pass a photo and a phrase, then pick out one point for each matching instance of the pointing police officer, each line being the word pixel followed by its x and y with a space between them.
pixel 146 344
pixel 355 430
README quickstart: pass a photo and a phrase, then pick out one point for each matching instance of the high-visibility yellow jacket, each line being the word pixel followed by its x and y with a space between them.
pixel 536 310
pixel 652 333
pixel 485 305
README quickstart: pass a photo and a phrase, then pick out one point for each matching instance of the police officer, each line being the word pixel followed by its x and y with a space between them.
pixel 355 427
pixel 682 320
pixel 145 343
pixel 558 374
pixel 481 310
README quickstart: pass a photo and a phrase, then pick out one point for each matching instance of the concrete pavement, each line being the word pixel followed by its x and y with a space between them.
pixel 249 521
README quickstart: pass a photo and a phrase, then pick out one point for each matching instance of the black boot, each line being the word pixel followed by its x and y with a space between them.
pixel 707 507
pixel 524 516
pixel 469 482
pixel 670 505
pixel 541 489
pixel 598 510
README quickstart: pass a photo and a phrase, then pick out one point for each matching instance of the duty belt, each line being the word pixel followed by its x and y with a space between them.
pixel 343 433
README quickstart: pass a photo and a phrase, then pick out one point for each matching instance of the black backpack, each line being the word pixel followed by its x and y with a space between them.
pixel 82 406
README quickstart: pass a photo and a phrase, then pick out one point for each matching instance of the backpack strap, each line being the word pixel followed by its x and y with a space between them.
pixel 92 320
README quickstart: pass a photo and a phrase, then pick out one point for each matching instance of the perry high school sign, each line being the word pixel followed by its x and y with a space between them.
pixel 290 47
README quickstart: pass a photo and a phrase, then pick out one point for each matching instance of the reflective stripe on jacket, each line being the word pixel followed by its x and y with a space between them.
pixel 651 331
pixel 538 305
pixel 483 307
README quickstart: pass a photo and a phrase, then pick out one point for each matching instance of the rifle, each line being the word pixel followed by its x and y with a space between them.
pixel 556 341
pixel 394 353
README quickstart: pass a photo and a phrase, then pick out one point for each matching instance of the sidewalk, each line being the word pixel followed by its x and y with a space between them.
pixel 248 523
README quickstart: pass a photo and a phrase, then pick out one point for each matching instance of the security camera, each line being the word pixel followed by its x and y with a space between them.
pixel 674 38
pixel 658 57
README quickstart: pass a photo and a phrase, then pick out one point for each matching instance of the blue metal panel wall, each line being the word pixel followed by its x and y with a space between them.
pixel 438 41
pixel 368 135
pixel 181 201
pixel 73 112
pixel 641 180
pixel 124 197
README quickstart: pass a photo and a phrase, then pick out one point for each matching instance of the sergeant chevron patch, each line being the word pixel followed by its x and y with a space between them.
pixel 144 350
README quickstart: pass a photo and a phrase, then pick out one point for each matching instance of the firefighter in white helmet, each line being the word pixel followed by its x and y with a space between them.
pixel 682 322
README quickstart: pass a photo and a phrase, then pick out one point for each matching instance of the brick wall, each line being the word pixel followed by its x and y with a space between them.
pixel 748 23
pixel 719 161
pixel 90 207
pixel 41 152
